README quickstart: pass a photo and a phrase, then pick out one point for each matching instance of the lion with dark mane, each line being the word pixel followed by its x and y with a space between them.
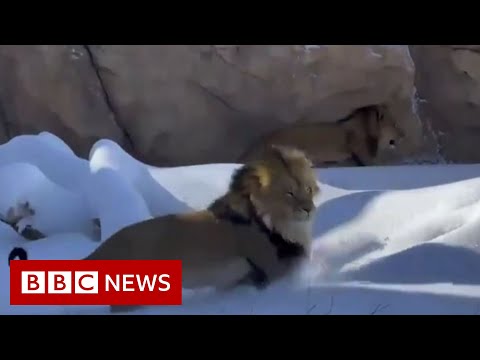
pixel 252 234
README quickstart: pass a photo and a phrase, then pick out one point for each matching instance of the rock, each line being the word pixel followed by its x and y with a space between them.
pixel 448 82
pixel 190 104
pixel 32 234
pixel 20 212
pixel 54 88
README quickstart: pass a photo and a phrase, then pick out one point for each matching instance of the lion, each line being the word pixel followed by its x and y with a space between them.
pixel 253 234
pixel 360 137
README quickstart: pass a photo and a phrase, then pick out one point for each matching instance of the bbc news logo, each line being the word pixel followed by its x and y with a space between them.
pixel 95 282
pixel 86 282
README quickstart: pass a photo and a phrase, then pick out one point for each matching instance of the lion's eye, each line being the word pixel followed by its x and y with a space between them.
pixel 309 189
pixel 290 194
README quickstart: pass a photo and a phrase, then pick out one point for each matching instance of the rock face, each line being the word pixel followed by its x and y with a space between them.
pixel 189 104
pixel 448 83
pixel 53 88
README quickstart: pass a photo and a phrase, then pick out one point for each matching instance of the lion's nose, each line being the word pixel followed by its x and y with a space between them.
pixel 307 207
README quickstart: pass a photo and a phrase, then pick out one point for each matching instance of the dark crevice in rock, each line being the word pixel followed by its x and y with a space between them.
pixel 106 96
pixel 4 121
pixel 216 97
pixel 236 67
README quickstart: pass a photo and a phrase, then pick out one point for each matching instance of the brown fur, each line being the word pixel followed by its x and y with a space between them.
pixel 253 233
pixel 359 137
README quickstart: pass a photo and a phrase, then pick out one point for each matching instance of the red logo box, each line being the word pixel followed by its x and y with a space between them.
pixel 95 282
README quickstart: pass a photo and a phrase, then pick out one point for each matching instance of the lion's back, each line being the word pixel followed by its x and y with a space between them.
pixel 321 141
pixel 189 237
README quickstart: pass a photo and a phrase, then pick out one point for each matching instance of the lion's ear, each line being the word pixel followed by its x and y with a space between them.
pixel 249 179
pixel 256 178
pixel 262 175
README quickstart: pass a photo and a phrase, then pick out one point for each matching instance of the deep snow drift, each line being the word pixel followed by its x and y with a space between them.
pixel 388 240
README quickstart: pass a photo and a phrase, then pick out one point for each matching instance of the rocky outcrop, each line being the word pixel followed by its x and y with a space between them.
pixel 54 88
pixel 448 84
pixel 190 104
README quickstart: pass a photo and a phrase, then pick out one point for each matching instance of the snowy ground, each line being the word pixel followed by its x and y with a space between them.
pixel 388 240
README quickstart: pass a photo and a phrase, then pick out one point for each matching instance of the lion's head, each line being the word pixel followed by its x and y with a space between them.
pixel 386 129
pixel 280 188
pixel 281 185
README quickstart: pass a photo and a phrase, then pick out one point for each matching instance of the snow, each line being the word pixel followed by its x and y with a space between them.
pixel 388 240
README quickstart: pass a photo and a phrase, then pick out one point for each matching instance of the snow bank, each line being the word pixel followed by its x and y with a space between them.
pixel 388 240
